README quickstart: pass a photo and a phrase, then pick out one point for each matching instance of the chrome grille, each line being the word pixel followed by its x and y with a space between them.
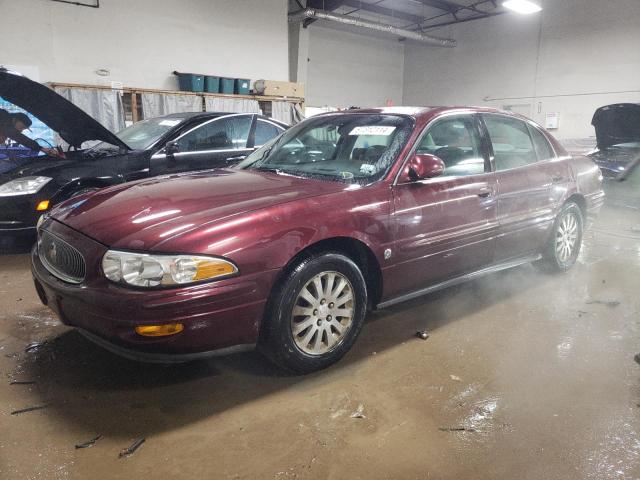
pixel 60 258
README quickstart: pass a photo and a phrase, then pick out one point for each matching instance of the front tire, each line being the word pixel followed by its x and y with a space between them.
pixel 563 247
pixel 316 313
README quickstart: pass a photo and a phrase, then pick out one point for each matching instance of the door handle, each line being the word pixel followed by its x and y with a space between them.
pixel 555 180
pixel 485 192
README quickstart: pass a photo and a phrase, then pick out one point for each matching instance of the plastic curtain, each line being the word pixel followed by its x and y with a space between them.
pixel 103 105
pixel 287 112
pixel 159 104
pixel 234 105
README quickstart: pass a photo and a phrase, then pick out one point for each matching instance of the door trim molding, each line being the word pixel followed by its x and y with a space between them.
pixel 461 279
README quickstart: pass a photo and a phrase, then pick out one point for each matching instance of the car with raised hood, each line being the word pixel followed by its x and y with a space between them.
pixel 617 129
pixel 342 213
pixel 32 183
pixel 624 191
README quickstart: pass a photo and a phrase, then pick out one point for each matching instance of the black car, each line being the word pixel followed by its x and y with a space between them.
pixel 32 184
pixel 618 135
pixel 625 191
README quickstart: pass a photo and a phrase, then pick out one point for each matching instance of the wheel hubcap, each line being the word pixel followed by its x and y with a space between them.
pixel 323 313
pixel 567 237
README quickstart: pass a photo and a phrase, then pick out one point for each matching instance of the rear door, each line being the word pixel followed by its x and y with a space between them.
pixel 445 226
pixel 216 143
pixel 531 182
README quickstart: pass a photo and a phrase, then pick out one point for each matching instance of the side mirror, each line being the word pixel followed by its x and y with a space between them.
pixel 171 148
pixel 423 166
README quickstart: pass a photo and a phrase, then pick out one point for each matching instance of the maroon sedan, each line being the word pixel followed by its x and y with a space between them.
pixel 342 213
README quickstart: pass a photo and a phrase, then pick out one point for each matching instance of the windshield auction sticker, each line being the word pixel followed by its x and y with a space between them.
pixel 372 130
pixel 170 123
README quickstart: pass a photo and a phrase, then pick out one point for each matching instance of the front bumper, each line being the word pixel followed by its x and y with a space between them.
pixel 217 315
pixel 18 214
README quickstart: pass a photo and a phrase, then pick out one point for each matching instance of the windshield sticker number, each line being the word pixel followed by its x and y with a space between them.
pixel 170 123
pixel 372 130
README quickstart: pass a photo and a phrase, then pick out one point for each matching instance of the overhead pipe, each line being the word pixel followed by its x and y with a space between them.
pixel 312 13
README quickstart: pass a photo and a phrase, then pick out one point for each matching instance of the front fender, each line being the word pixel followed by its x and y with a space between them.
pixel 72 186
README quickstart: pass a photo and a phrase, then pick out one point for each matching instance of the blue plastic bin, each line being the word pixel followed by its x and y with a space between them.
pixel 242 86
pixel 227 85
pixel 190 82
pixel 212 84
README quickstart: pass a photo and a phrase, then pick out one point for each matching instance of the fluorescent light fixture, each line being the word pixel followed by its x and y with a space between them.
pixel 522 6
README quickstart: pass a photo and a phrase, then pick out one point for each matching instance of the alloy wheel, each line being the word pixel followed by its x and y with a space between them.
pixel 323 313
pixel 567 237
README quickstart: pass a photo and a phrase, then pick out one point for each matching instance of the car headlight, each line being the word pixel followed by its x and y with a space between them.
pixel 151 270
pixel 41 220
pixel 23 186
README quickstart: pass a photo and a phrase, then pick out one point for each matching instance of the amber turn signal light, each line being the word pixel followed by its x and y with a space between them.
pixel 42 206
pixel 213 268
pixel 159 330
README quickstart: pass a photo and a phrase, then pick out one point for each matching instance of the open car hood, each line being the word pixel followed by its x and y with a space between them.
pixel 72 124
pixel 617 123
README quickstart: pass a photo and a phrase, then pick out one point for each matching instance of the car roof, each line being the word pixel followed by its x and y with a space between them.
pixel 185 115
pixel 195 115
pixel 423 113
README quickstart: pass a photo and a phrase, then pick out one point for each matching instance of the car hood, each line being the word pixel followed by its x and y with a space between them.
pixel 146 214
pixel 72 124
pixel 23 167
pixel 618 123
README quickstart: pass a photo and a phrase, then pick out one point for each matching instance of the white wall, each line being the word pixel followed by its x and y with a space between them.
pixel 349 69
pixel 570 59
pixel 142 41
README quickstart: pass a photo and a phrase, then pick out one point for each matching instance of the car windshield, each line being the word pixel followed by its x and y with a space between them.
pixel 349 147
pixel 142 135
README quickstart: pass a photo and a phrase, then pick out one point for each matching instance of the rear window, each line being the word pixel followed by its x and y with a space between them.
pixel 265 131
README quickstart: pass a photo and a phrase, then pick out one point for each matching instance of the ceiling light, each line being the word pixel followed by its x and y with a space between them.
pixel 522 6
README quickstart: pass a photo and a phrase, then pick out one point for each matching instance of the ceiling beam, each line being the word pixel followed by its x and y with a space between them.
pixel 444 24
pixel 473 7
pixel 387 12
pixel 445 5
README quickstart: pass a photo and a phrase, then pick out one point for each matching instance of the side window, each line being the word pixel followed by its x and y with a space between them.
pixel 265 131
pixel 456 142
pixel 541 144
pixel 512 145
pixel 223 134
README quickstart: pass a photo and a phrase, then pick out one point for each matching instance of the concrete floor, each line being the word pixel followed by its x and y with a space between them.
pixel 542 379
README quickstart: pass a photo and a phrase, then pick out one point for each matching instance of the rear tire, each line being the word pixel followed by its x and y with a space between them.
pixel 315 313
pixel 563 246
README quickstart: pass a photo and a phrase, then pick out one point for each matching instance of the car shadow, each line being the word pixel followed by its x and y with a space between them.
pixel 100 392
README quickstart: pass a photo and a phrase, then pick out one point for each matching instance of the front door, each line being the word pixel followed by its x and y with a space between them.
pixel 445 226
pixel 215 143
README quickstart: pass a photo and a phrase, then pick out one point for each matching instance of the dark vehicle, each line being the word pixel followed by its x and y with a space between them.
pixel 618 135
pixel 32 184
pixel 625 191
pixel 342 213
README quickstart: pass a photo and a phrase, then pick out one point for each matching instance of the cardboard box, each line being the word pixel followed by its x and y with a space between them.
pixel 283 89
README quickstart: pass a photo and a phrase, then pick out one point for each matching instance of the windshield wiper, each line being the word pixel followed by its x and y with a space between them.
pixel 268 169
